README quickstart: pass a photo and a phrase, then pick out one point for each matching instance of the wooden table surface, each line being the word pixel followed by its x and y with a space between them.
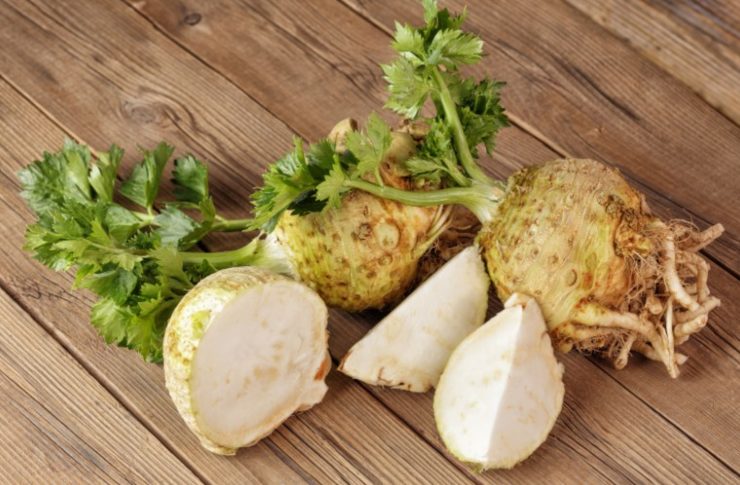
pixel 650 86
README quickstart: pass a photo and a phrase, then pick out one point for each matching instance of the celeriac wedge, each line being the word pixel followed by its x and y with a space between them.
pixel 502 389
pixel 409 348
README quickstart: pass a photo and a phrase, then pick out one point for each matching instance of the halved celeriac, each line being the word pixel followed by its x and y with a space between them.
pixel 243 350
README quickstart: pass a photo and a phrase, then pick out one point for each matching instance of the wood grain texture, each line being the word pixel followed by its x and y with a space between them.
pixel 188 85
pixel 57 421
pixel 587 94
pixel 703 401
pixel 311 64
pixel 155 89
pixel 698 49
pixel 230 27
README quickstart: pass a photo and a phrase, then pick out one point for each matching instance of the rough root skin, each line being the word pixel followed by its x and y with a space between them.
pixel 364 254
pixel 610 277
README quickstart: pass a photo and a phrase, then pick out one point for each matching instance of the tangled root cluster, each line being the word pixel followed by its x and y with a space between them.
pixel 668 302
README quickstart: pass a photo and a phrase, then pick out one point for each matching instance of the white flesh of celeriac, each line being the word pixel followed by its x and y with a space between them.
pixel 409 348
pixel 502 389
pixel 243 351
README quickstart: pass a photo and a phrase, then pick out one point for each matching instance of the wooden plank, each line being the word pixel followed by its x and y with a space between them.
pixel 589 95
pixel 604 432
pixel 363 412
pixel 220 22
pixel 523 46
pixel 703 400
pixel 714 354
pixel 701 403
pixel 683 38
pixel 223 36
pixel 309 81
pixel 58 424
pixel 208 94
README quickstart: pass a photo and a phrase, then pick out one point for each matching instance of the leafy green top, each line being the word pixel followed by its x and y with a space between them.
pixel 440 42
pixel 312 180
pixel 132 260
pixel 137 262
pixel 468 114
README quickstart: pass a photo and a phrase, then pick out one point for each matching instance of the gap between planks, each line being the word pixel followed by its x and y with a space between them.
pixel 64 341
pixel 718 253
pixel 658 32
pixel 667 420
pixel 561 78
pixel 202 61
pixel 61 339
pixel 465 470
pixel 101 378
pixel 21 307
pixel 553 145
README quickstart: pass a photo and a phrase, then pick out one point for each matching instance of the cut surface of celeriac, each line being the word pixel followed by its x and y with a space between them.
pixel 244 350
pixel 409 348
pixel 502 389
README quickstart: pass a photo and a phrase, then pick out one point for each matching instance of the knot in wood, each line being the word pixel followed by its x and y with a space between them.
pixel 192 18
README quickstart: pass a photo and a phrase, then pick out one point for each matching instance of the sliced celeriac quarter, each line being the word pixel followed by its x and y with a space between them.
pixel 409 348
pixel 502 389
pixel 243 350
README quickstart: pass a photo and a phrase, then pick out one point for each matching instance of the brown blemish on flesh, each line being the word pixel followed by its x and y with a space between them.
pixel 268 373
pixel 588 279
pixel 363 232
pixel 324 369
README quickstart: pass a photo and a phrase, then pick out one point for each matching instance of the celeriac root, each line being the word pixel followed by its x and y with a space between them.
pixel 693 241
pixel 645 349
pixel 623 354
pixel 671 278
pixel 610 276
pixel 669 302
